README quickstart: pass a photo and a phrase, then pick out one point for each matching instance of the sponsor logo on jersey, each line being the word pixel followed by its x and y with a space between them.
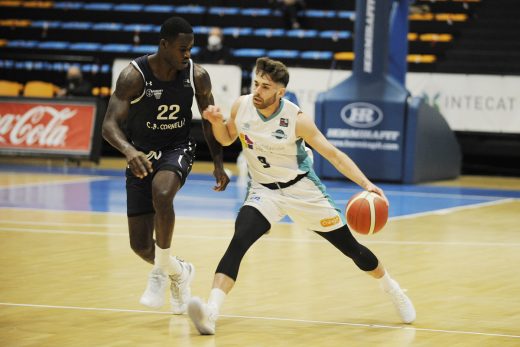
pixel 148 83
pixel 279 134
pixel 246 141
pixel 361 115
pixel 327 222
pixel 284 122
pixel 166 126
pixel 187 83
pixel 154 92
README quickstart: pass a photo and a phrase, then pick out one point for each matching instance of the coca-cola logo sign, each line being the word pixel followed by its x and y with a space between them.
pixel 46 126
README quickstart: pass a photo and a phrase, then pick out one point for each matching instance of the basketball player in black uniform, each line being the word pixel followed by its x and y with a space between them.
pixel 148 120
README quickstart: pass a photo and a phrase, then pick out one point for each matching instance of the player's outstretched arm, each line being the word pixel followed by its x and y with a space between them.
pixel 225 131
pixel 307 130
pixel 129 86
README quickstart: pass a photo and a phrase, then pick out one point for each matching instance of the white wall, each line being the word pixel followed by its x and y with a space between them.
pixel 482 103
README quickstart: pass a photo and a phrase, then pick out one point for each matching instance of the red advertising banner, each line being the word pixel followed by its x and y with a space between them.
pixel 47 127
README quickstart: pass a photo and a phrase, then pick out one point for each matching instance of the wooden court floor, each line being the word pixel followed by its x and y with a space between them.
pixel 69 278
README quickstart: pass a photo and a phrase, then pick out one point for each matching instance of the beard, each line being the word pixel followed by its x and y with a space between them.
pixel 264 103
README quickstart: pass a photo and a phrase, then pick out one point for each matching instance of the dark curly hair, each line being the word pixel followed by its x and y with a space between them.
pixel 275 69
pixel 174 26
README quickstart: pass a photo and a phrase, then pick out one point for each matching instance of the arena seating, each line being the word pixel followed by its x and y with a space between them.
pixel 102 31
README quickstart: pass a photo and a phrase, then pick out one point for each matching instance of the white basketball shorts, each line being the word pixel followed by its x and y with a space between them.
pixel 306 202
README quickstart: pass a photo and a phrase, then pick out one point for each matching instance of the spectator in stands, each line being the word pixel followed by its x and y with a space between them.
pixel 290 9
pixel 76 84
pixel 215 51
pixel 148 120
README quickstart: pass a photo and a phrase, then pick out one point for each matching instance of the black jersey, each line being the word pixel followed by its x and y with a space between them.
pixel 160 118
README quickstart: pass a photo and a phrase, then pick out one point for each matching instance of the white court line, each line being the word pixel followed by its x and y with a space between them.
pixel 305 321
pixel 425 194
pixel 266 239
pixel 454 209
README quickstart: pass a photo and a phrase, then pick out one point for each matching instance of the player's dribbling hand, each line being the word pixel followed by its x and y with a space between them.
pixel 222 179
pixel 373 188
pixel 139 164
pixel 213 114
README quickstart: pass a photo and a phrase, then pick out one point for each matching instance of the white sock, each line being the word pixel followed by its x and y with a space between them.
pixel 387 283
pixel 162 258
pixel 216 298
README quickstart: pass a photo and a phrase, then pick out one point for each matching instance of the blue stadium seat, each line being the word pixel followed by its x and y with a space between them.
pixel 256 12
pixel 268 32
pixel 51 24
pixel 335 34
pixel 236 31
pixel 248 52
pixel 128 7
pixel 98 6
pixel 144 49
pixel 320 13
pixel 159 8
pixel 116 47
pixel 107 26
pixel 283 54
pixel 200 30
pixel 36 65
pixel 53 45
pixel 68 5
pixel 222 11
pixel 301 33
pixel 84 46
pixel 76 25
pixel 145 28
pixel 317 55
pixel 6 64
pixel 347 14
pixel 58 66
pixel 22 44
pixel 193 9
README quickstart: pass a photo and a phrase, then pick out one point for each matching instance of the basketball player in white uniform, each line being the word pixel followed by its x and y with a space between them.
pixel 273 132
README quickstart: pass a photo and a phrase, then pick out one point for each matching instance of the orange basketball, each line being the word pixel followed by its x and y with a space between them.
pixel 366 213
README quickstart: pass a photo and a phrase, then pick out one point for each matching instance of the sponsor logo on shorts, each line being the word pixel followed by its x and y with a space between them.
pixel 327 222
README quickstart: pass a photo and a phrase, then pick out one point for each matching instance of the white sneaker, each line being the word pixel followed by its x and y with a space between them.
pixel 180 287
pixel 203 316
pixel 153 296
pixel 403 305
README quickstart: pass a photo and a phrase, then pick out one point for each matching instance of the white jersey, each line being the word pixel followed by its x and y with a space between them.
pixel 270 146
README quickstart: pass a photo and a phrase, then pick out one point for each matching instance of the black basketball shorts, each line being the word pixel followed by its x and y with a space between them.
pixel 139 190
